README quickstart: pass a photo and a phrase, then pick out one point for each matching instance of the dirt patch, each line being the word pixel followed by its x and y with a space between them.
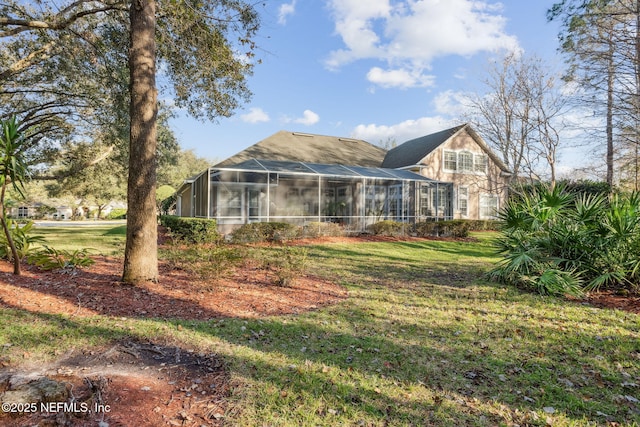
pixel 126 384
pixel 609 299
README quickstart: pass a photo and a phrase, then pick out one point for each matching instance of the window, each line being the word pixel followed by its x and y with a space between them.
pixel 231 202
pixel 23 212
pixel 463 201
pixel 450 160
pixel 375 200
pixel 395 200
pixel 488 206
pixel 254 204
pixel 425 201
pixel 465 161
pixel 480 163
pixel 441 201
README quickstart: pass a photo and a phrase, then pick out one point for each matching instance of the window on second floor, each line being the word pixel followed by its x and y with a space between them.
pixel 480 163
pixel 450 160
pixel 465 162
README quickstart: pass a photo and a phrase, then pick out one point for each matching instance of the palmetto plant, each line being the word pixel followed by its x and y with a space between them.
pixel 13 171
pixel 555 242
pixel 22 238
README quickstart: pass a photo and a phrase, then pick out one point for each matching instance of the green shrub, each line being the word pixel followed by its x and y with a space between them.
pixel 389 228
pixel 557 242
pixel 458 228
pixel 322 229
pixel 117 213
pixel 256 232
pixel 191 230
pixel 578 188
pixel 49 258
pixel 484 224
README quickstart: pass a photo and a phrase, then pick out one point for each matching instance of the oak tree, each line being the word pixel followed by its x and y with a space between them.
pixel 206 50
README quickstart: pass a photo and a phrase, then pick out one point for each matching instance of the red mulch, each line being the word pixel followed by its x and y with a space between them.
pixel 248 293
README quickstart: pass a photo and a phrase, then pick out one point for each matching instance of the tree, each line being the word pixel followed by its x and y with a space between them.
pixel 520 115
pixel 207 50
pixel 100 180
pixel 601 40
pixel 174 168
pixel 140 254
pixel 163 193
pixel 12 172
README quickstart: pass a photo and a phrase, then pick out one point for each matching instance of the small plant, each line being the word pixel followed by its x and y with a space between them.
pixel 13 171
pixel 557 242
pixel 205 261
pixel 49 258
pixel 22 237
pixel 287 262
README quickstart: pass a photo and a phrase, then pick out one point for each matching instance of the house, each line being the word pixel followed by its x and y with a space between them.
pixel 302 178
pixel 458 155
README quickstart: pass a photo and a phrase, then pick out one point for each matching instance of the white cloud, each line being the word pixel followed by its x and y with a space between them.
pixel 399 78
pixel 308 118
pixel 285 10
pixel 452 103
pixel 410 34
pixel 255 115
pixel 403 131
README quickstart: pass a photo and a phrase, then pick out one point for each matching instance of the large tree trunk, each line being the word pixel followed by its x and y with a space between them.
pixel 141 251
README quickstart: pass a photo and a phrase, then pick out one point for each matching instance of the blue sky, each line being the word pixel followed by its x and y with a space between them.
pixel 376 70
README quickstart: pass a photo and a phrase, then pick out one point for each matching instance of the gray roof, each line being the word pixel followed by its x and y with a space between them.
pixel 321 169
pixel 305 147
pixel 413 151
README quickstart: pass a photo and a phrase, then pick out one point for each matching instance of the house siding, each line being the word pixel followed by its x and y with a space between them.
pixel 490 182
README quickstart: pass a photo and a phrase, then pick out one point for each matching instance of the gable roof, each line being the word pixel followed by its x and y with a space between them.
pixel 415 150
pixel 305 147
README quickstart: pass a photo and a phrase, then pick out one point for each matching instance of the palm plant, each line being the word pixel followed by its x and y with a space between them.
pixel 555 242
pixel 529 243
pixel 13 171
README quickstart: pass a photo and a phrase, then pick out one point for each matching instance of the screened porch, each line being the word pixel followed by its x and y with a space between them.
pixel 301 193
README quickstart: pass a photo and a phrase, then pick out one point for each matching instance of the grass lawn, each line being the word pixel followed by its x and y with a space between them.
pixel 422 340
pixel 101 239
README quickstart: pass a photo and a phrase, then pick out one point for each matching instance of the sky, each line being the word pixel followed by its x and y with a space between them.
pixel 378 70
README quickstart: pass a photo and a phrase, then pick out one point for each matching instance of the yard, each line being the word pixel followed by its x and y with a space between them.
pixel 398 332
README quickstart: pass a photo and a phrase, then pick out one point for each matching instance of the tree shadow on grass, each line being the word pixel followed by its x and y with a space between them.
pixel 425 374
